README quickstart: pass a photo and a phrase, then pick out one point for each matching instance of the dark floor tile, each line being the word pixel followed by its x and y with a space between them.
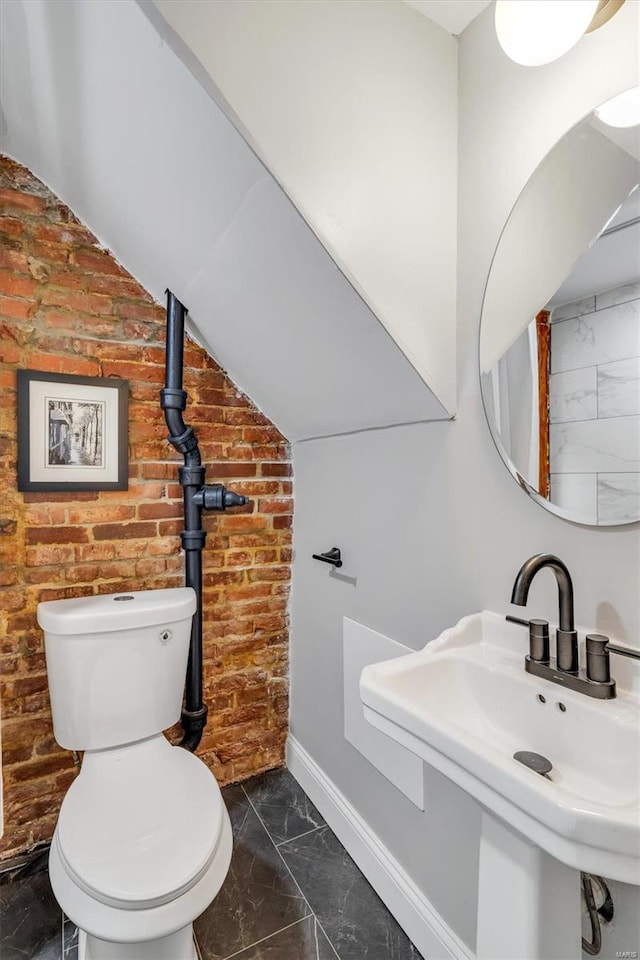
pixel 69 940
pixel 356 921
pixel 31 920
pixel 302 941
pixel 258 897
pixel 282 805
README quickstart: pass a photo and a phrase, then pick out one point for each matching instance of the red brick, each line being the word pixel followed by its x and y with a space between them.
pixel 133 371
pixel 170 528
pixel 12 307
pixel 244 522
pixel 63 233
pixel 50 252
pixel 19 201
pixel 53 364
pixel 11 227
pixel 116 286
pixel 282 523
pixel 275 469
pixel 17 286
pixel 83 573
pixel 96 261
pixel 156 511
pixel 95 551
pixel 12 260
pixel 150 312
pixel 118 531
pixel 64 534
pixel 101 513
pixel 9 353
pixel 60 497
pixel 76 300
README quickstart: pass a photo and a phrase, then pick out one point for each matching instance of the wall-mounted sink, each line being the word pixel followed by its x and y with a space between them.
pixel 465 705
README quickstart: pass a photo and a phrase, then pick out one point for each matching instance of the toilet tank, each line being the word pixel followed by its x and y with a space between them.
pixel 116 664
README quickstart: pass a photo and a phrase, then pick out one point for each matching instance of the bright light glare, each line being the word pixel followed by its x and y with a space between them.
pixel 533 32
pixel 621 111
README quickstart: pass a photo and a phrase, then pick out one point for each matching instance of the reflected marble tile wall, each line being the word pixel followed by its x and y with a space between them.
pixel 594 406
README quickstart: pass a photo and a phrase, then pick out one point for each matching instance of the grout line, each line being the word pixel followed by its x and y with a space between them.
pixel 264 939
pixel 585 366
pixel 275 846
pixel 326 938
pixel 197 946
pixel 288 869
pixel 596 419
pixel 588 473
pixel 281 843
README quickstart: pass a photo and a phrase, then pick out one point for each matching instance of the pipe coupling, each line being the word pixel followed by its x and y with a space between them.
pixel 172 398
pixel 186 442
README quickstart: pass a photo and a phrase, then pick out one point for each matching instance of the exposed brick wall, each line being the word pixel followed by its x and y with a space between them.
pixel 67 306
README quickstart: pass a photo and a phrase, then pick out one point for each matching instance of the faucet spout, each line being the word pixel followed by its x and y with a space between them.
pixel 566 636
pixel 528 571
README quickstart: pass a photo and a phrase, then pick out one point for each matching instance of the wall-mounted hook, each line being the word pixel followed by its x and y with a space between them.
pixel 330 556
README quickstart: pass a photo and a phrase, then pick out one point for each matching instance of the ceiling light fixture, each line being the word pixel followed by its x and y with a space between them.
pixel 534 32
pixel 621 111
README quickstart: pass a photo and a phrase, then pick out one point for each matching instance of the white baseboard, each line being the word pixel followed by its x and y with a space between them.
pixel 416 915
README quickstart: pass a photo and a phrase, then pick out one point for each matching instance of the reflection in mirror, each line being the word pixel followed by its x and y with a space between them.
pixel 560 331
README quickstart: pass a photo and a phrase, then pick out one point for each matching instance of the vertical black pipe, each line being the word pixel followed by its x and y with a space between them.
pixel 174 357
pixel 196 498
pixel 173 400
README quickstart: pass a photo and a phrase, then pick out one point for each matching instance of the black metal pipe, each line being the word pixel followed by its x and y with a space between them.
pixel 196 498
pixel 173 400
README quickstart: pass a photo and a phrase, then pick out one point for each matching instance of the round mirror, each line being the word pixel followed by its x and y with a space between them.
pixel 560 329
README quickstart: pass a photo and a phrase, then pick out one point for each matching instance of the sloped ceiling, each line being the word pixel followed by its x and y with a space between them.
pixel 105 113
pixel 352 106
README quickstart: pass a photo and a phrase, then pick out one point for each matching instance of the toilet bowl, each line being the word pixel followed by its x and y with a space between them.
pixel 143 840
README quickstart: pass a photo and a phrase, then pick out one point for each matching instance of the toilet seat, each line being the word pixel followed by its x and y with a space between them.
pixel 140 825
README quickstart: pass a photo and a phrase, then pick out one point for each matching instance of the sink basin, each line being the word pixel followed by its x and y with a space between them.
pixel 465 705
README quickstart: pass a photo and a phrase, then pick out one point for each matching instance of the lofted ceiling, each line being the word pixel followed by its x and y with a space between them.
pixel 352 107
pixel 106 114
pixel 453 15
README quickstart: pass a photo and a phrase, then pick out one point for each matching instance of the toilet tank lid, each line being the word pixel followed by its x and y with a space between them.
pixel 116 611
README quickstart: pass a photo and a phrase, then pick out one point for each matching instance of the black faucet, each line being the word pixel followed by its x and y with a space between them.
pixel 566 635
pixel 563 669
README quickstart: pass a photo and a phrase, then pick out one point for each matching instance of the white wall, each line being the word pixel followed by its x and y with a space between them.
pixel 103 111
pixel 352 105
pixel 428 518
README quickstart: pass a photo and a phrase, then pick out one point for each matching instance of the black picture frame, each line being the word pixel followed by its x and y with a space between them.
pixel 72 432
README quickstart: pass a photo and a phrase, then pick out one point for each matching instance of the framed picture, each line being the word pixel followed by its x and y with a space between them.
pixel 72 432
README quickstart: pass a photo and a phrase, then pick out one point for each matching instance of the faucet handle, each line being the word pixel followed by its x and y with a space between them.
pixel 598 669
pixel 538 637
pixel 539 640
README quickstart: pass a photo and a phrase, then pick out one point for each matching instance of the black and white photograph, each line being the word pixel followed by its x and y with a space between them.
pixel 72 432
pixel 75 433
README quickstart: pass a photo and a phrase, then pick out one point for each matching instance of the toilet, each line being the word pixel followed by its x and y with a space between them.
pixel 143 841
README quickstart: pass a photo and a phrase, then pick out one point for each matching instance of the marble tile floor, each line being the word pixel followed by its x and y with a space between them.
pixel 292 893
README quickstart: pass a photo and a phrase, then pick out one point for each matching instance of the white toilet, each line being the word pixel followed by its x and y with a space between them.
pixel 143 841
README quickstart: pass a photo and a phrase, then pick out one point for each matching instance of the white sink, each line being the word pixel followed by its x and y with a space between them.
pixel 465 705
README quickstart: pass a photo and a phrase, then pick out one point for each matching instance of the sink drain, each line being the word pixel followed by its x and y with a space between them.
pixel 535 762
